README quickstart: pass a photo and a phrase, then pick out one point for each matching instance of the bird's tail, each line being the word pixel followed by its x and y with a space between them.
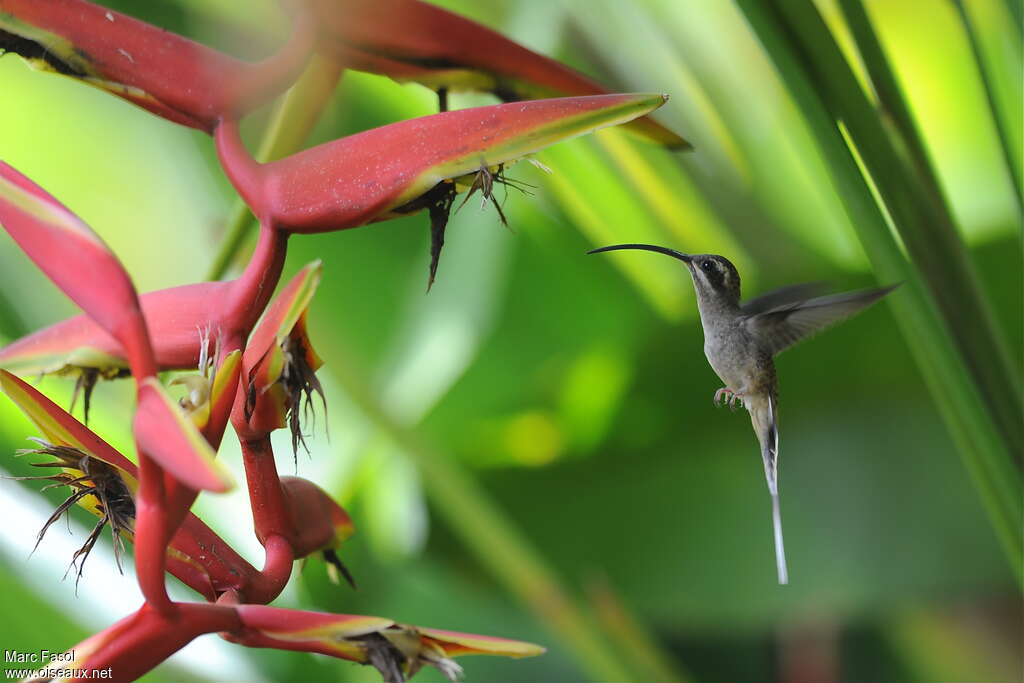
pixel 763 417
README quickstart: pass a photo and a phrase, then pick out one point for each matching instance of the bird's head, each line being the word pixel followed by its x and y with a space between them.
pixel 714 277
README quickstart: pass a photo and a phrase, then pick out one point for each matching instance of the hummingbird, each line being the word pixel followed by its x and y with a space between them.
pixel 741 341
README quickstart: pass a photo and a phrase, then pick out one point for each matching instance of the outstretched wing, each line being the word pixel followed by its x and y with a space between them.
pixel 784 325
pixel 782 297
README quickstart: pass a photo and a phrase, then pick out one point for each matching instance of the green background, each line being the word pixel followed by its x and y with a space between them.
pixel 573 388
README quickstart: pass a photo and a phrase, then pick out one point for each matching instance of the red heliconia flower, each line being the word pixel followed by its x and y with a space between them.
pixel 380 173
pixel 414 165
pixel 176 319
pixel 78 262
pixel 186 323
pixel 409 166
pixel 105 483
pixel 279 364
pixel 191 84
pixel 165 73
pixel 396 650
pixel 410 40
pixel 319 525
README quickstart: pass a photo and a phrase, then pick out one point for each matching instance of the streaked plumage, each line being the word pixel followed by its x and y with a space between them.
pixel 741 340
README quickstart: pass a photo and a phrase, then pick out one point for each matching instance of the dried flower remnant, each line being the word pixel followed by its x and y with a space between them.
pixel 200 385
pixel 439 200
pixel 282 386
pixel 298 377
pixel 86 476
pixel 88 378
pixel 336 568
pixel 400 651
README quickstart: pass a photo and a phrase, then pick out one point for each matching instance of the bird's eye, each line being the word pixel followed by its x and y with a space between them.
pixel 706 265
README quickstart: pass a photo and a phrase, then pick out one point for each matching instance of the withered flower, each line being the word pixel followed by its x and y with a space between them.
pixel 96 485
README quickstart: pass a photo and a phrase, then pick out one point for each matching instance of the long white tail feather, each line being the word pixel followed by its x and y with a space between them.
pixel 780 548
pixel 768 436
pixel 762 416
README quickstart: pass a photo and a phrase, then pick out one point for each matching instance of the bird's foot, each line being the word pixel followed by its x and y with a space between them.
pixel 726 396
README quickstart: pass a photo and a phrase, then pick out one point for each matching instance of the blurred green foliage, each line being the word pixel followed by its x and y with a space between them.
pixel 575 388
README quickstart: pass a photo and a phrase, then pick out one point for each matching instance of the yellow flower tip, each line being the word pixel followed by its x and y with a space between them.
pixel 343 528
pixel 455 643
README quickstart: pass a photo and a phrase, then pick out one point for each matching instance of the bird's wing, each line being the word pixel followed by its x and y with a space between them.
pixel 783 326
pixel 782 297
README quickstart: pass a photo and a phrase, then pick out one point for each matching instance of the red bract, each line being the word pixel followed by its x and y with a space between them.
pixel 162 72
pixel 81 265
pixel 77 261
pixel 166 435
pixel 372 175
pixel 279 364
pixel 79 342
pixel 410 40
pixel 179 319
pixel 396 650
pixel 318 522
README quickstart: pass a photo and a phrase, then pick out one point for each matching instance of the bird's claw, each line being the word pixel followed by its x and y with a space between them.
pixel 726 396
pixel 716 401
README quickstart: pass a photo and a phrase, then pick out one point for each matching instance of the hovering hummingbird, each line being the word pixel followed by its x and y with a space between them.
pixel 741 340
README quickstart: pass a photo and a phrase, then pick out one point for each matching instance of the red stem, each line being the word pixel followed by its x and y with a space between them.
pixel 223 568
pixel 141 642
pixel 244 172
pixel 163 511
pixel 277 569
pixel 179 500
pixel 163 501
pixel 251 292
pixel 152 534
pixel 270 511
pixel 180 497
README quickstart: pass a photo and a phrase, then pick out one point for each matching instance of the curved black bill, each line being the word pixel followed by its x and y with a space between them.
pixel 685 258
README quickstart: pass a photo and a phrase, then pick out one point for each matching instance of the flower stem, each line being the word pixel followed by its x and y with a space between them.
pixel 291 124
pixel 136 644
pixel 270 513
